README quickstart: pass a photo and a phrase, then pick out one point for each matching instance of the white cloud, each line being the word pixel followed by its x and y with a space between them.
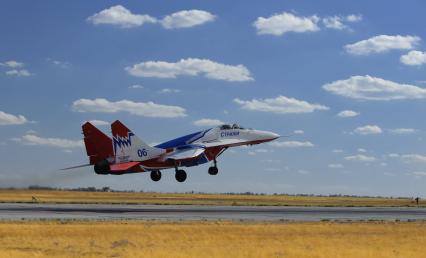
pixel 337 151
pixel 98 122
pixel 393 155
pixel 190 67
pixel 120 16
pixel 362 150
pixel 413 158
pixel 9 119
pixel 335 165
pixel 136 86
pixel 360 157
pixel 12 64
pixel 31 139
pixel 18 73
pixel 148 109
pixel 402 130
pixel 298 132
pixel 414 58
pixel 334 22
pixel 381 44
pixel 208 122
pixel 368 129
pixel 186 19
pixel 168 90
pixel 303 172
pixel 354 18
pixel 279 105
pixel 347 113
pixel 419 173
pixel 373 88
pixel 291 144
pixel 280 24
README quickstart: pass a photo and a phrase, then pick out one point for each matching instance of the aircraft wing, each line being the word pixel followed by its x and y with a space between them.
pixel 186 153
pixel 222 143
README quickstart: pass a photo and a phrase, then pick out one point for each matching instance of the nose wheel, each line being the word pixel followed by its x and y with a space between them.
pixel 180 175
pixel 156 175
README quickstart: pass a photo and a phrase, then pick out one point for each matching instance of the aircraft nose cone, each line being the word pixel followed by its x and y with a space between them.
pixel 272 136
pixel 268 136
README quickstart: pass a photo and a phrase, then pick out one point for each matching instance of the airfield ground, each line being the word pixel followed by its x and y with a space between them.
pixel 211 239
pixel 52 196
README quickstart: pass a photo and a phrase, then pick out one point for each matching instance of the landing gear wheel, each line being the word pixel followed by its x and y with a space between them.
pixel 156 175
pixel 180 175
pixel 213 170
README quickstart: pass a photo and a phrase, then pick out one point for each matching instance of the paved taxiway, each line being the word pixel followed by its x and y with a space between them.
pixel 13 211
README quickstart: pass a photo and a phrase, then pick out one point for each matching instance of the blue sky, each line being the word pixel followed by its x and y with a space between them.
pixel 169 68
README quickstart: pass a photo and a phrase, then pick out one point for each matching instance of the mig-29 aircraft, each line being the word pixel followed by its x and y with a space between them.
pixel 126 153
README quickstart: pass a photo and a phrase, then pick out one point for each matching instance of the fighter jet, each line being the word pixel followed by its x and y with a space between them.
pixel 126 153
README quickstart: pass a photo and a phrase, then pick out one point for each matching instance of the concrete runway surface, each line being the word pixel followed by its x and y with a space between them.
pixel 14 211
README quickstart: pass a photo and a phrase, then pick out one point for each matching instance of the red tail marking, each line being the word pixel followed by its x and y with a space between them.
pixel 118 129
pixel 98 145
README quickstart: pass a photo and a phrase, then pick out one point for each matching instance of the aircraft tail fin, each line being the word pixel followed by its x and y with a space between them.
pixel 98 145
pixel 128 147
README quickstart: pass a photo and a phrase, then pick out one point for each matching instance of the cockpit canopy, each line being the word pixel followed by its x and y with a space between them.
pixel 230 126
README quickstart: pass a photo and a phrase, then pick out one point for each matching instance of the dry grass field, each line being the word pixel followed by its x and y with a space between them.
pixel 211 239
pixel 50 196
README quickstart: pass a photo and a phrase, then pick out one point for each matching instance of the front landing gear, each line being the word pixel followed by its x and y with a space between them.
pixel 180 175
pixel 156 175
pixel 213 170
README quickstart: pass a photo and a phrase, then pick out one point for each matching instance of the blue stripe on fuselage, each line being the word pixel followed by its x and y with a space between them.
pixel 184 140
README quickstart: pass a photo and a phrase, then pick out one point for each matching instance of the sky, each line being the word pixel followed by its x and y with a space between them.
pixel 345 80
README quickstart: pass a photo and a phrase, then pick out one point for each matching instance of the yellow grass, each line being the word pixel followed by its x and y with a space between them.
pixel 211 239
pixel 200 199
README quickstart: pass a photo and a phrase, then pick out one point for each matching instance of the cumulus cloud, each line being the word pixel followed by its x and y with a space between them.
pixel 347 113
pixel 191 67
pixel 413 158
pixel 31 139
pixel 291 144
pixel 12 64
pixel 381 44
pixel 98 122
pixel 361 157
pixel 298 132
pixel 18 73
pixel 338 22
pixel 121 17
pixel 354 18
pixel 280 24
pixel 9 119
pixel 186 19
pixel 368 129
pixel 279 105
pixel 148 109
pixel 402 131
pixel 208 122
pixel 373 88
pixel 414 58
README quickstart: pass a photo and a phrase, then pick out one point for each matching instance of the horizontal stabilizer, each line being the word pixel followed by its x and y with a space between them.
pixel 123 166
pixel 187 153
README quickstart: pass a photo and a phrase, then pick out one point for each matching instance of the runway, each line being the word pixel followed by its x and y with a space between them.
pixel 12 211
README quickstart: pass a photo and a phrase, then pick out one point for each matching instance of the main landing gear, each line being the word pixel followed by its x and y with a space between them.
pixel 180 175
pixel 156 175
pixel 213 170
